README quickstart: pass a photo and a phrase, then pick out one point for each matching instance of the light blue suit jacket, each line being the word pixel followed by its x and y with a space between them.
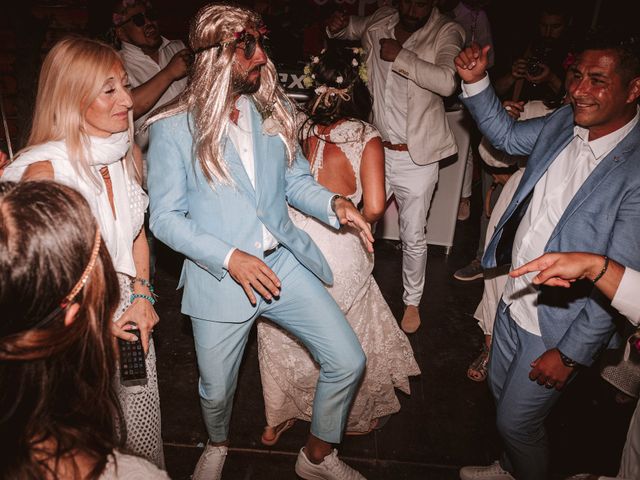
pixel 603 217
pixel 204 222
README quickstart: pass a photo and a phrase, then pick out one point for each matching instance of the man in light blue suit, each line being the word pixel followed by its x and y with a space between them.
pixel 580 192
pixel 223 164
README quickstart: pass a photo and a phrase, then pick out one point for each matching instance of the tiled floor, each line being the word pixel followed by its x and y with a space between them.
pixel 448 420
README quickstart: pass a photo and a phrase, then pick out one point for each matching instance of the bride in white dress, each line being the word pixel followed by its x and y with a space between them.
pixel 347 157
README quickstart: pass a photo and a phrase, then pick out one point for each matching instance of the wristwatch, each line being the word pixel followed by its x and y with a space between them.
pixel 568 362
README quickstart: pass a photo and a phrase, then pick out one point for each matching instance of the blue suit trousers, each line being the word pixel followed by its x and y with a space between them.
pixel 304 309
pixel 522 405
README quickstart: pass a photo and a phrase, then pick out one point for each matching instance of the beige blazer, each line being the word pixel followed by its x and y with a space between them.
pixel 431 73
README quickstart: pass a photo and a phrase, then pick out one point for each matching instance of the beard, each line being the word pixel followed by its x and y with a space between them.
pixel 242 84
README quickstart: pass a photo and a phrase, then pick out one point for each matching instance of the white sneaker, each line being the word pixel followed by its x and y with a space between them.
pixel 331 468
pixel 491 472
pixel 209 466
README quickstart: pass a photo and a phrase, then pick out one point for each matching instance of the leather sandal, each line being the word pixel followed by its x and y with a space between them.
pixel 477 371
pixel 278 430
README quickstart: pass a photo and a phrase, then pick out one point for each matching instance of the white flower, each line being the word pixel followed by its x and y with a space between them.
pixel 323 51
pixel 313 75
pixel 315 59
pixel 354 62
pixel 339 80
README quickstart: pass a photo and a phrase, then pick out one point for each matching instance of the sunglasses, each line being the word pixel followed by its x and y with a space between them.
pixel 248 44
pixel 139 19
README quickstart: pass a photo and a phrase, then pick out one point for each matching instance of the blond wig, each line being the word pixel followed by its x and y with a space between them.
pixel 72 76
pixel 209 95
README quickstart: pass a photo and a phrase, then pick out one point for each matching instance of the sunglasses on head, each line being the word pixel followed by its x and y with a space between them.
pixel 139 19
pixel 247 43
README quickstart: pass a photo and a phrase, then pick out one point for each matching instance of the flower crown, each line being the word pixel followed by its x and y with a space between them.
pixel 358 61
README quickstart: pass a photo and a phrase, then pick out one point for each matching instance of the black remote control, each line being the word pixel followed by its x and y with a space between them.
pixel 133 370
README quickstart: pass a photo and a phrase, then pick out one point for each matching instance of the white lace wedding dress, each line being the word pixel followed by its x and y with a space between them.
pixel 288 372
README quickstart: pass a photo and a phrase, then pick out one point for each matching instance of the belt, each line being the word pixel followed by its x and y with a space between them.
pixel 398 147
pixel 266 253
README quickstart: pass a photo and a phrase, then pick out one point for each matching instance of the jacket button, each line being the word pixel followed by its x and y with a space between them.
pixel 257 244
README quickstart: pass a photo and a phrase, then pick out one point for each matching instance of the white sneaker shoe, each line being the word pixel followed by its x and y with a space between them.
pixel 209 466
pixel 331 468
pixel 491 472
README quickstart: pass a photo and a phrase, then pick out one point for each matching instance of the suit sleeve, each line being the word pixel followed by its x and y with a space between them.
pixel 440 76
pixel 307 195
pixel 168 194
pixel 592 327
pixel 502 131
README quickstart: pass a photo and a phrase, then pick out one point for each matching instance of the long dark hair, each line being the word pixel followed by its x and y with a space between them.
pixel 56 396
pixel 334 63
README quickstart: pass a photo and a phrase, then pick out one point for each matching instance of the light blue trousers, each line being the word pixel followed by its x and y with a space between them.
pixel 522 405
pixel 305 309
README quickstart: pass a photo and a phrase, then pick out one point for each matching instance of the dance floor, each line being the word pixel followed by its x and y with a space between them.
pixel 447 421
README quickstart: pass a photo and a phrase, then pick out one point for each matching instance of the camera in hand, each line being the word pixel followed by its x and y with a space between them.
pixel 533 66
pixel 133 370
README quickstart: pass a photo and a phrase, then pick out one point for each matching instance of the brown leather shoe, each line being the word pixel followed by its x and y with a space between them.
pixel 411 319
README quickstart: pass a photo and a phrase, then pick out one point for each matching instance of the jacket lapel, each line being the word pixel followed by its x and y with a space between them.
pixel 539 163
pixel 260 150
pixel 617 157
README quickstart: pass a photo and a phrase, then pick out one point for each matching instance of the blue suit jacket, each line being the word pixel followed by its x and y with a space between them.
pixel 204 222
pixel 603 217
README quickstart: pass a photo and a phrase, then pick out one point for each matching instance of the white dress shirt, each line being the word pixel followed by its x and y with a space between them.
pixel 241 136
pixel 627 297
pixel 551 196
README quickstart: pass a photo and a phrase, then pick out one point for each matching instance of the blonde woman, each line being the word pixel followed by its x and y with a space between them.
pixel 81 137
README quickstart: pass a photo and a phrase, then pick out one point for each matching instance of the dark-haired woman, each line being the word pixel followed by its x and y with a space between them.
pixel 59 414
pixel 347 157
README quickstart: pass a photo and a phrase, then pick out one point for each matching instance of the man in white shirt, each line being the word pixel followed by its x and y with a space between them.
pixel 410 53
pixel 224 162
pixel 156 67
pixel 580 191
pixel 620 285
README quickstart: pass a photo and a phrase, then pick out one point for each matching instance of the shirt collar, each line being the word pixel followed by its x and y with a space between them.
pixel 604 145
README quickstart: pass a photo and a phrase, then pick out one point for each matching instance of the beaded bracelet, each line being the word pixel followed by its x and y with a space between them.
pixel 144 282
pixel 149 298
pixel 603 271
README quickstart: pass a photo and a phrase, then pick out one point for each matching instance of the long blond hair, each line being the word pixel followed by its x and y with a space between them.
pixel 72 76
pixel 209 96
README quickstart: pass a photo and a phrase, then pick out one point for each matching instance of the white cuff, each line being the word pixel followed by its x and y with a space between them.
pixel 227 258
pixel 471 89
pixel 626 300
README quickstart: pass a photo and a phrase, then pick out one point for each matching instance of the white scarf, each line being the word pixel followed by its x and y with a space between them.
pixel 107 152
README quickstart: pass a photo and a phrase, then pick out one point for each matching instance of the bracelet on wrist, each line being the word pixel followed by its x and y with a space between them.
pixel 603 271
pixel 148 298
pixel 144 282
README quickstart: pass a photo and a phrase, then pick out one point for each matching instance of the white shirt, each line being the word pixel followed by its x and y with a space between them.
pixel 141 68
pixel 627 297
pixel 551 196
pixel 391 91
pixel 241 136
